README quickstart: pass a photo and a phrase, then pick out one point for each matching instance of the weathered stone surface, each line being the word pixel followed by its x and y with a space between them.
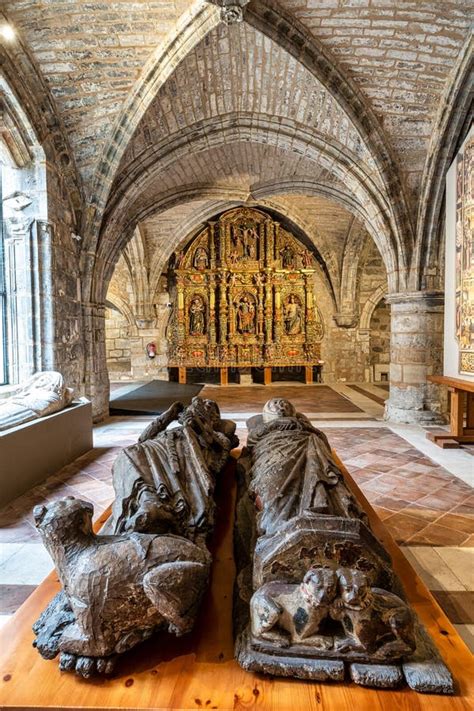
pixel 136 109
pixel 385 676
pixel 148 568
pixel 312 583
pixel 425 671
pixel 41 395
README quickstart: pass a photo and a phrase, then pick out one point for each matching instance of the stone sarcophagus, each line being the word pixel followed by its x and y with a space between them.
pixel 243 297
pixel 316 596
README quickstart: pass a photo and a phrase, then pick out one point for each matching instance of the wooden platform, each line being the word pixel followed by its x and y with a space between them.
pixel 199 672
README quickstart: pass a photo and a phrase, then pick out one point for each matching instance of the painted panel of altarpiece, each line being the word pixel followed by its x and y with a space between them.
pixel 465 257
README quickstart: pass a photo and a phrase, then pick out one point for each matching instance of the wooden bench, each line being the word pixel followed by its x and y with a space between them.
pixel 462 401
pixel 199 672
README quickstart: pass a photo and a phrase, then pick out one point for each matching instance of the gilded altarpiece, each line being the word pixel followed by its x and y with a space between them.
pixel 244 297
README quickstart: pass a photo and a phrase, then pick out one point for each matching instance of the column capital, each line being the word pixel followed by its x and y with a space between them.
pixel 419 299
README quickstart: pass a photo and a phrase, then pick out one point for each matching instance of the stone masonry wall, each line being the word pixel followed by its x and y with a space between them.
pixel 380 335
pixel 117 345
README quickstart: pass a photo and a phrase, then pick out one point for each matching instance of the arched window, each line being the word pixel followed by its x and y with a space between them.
pixel 25 249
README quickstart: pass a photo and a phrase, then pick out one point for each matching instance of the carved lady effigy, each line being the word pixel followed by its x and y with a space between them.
pixel 243 296
pixel 315 588
pixel 148 568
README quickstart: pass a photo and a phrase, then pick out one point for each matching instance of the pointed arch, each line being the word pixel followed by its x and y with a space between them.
pixel 35 98
pixel 193 26
pixel 370 306
pixel 455 115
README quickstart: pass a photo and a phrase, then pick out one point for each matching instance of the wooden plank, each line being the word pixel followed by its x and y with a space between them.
pixel 224 376
pixel 182 376
pixel 458 383
pixel 470 412
pixel 198 671
pixel 309 374
pixel 457 413
pixel 267 375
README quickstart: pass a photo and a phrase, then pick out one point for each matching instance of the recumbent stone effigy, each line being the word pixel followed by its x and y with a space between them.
pixel 315 592
pixel 148 568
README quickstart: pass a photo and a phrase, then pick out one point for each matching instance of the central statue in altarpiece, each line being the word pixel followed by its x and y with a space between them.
pixel 243 297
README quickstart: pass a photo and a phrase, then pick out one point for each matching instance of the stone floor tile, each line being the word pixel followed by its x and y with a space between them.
pixel 28 566
pixel 458 523
pixel 432 568
pixel 461 562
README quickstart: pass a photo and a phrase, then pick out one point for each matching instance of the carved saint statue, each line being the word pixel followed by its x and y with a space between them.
pixel 287 257
pixel 201 259
pixel 306 259
pixel 245 315
pixel 197 317
pixel 292 316
pixel 42 394
pixel 244 240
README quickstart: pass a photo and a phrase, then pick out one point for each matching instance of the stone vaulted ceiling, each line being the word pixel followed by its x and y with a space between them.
pixel 399 54
pixel 397 59
pixel 91 54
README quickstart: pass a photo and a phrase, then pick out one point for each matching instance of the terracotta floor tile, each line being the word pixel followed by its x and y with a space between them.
pixel 378 486
pixel 402 527
pixel 435 535
pixel 392 503
pixel 12 596
pixel 458 523
pixel 429 515
pixel 468 543
pixel 464 510
pixel 382 513
pixel 437 501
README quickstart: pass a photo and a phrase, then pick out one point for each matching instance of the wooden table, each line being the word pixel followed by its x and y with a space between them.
pixel 462 400
pixel 199 671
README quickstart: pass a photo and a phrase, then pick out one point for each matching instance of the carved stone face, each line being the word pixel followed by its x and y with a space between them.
pixel 206 409
pixel 319 586
pixel 278 407
pixel 354 588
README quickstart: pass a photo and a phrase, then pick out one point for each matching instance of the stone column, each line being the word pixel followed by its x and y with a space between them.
pixel 416 350
pixel 96 377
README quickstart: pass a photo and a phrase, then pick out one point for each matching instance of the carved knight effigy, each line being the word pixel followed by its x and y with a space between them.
pixel 243 296
pixel 315 592
pixel 148 567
